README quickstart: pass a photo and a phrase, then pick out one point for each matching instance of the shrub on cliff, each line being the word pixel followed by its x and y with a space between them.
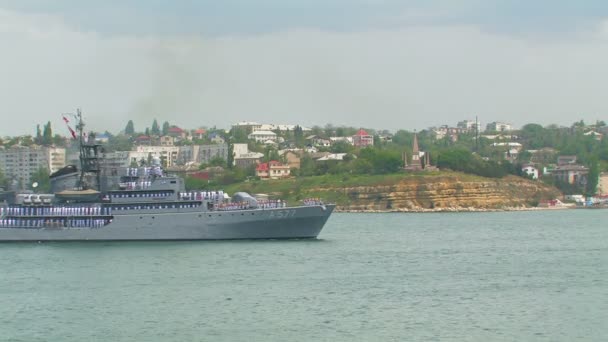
pixel 459 159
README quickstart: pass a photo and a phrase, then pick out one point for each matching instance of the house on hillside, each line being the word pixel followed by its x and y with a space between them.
pixel 597 136
pixel 272 170
pixel 262 136
pixel 293 158
pixel 243 158
pixel 497 126
pixel 216 138
pixel 545 155
pixel 362 139
pixel 571 174
pixel 176 132
pixel 566 160
pixel 167 140
pixel 199 133
pixel 143 140
pixel 441 132
pixel 334 140
pixel 530 170
pixel 315 140
pixel 332 156
pixel 247 126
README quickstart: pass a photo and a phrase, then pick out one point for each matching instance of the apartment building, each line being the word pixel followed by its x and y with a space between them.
pixel 19 163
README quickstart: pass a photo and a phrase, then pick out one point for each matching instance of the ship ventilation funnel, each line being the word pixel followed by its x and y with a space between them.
pixel 244 197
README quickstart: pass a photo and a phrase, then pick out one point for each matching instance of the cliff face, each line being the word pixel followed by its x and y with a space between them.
pixel 445 193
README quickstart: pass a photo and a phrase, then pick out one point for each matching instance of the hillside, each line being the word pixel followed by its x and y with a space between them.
pixel 404 192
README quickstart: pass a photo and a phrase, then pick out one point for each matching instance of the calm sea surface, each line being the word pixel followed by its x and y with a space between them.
pixel 518 276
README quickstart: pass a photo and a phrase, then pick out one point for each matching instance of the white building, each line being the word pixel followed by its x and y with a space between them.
pixel 281 128
pixel 334 140
pixel 530 170
pixel 497 126
pixel 469 125
pixel 244 158
pixel 168 154
pixel 202 153
pixel 262 136
pixel 21 162
pixel 248 125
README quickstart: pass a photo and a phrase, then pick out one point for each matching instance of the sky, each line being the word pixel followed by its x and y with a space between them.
pixel 383 64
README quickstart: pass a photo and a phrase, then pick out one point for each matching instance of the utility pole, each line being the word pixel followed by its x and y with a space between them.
pixel 476 135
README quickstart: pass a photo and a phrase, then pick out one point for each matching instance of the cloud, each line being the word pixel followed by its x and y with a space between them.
pixel 408 78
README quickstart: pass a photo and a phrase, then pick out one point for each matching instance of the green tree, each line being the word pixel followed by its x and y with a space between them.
pixel 41 179
pixel 26 140
pixel 118 143
pixel 230 157
pixel 593 177
pixel 155 128
pixel 47 134
pixel 215 161
pixel 166 127
pixel 38 139
pixel 271 153
pixel 307 166
pixel 130 128
pixel 58 140
pixel 341 147
pixel 3 180
pixel 239 135
pixel 298 136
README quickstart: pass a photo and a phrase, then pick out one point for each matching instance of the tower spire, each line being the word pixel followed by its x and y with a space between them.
pixel 416 164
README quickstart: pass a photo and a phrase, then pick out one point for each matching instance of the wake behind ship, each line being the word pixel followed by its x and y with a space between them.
pixel 149 205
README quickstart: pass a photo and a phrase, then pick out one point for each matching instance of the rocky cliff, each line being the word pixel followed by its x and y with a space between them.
pixel 444 192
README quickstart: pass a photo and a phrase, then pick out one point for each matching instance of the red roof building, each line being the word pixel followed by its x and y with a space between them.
pixel 176 132
pixel 363 139
pixel 272 170
pixel 199 133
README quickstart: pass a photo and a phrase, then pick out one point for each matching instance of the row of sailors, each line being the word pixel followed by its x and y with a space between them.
pixel 158 206
pixel 312 201
pixel 141 195
pixel 267 204
pixel 54 211
pixel 201 195
pixel 39 223
pixel 232 206
pixel 147 171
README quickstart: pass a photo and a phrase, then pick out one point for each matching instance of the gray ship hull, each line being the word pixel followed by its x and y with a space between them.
pixel 279 223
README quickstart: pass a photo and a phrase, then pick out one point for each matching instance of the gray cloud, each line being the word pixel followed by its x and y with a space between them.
pixel 403 78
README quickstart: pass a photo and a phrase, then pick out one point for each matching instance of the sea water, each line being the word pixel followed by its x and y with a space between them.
pixel 512 276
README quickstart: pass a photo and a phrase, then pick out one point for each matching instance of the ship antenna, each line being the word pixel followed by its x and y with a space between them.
pixel 80 128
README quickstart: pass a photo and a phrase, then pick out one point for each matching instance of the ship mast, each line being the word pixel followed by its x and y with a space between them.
pixel 89 157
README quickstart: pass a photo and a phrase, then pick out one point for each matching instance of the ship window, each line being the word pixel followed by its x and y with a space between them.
pixel 172 182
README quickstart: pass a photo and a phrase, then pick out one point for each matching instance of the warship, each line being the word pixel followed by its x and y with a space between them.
pixel 148 204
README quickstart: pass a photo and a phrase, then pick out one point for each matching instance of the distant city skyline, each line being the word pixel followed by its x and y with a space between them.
pixel 382 64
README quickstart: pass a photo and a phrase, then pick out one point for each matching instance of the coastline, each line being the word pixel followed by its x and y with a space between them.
pixel 450 210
